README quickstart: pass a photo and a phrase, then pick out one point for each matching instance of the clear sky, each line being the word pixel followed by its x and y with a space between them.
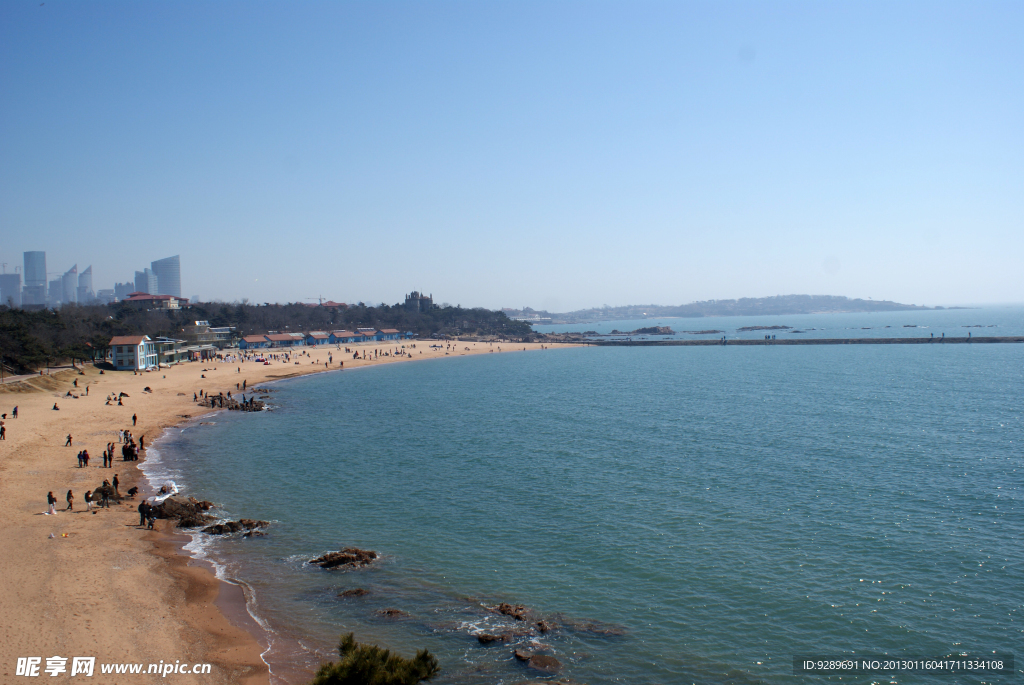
pixel 556 155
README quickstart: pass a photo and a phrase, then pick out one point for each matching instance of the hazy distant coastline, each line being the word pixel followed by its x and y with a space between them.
pixel 747 306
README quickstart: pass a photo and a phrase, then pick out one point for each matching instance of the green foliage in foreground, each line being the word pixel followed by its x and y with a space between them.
pixel 371 665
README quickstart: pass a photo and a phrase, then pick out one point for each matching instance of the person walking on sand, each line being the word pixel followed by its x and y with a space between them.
pixel 135 417
pixel 3 432
pixel 88 500
pixel 52 502
pixel 143 512
pixel 115 484
pixel 85 458
pixel 15 412
pixel 142 442
pixel 71 501
pixel 68 443
pixel 79 459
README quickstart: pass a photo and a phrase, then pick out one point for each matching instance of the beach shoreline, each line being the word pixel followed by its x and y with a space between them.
pixel 94 584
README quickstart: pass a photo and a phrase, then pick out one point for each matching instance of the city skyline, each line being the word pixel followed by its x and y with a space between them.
pixel 28 284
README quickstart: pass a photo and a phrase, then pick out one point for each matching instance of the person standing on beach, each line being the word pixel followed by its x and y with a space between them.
pixel 143 512
pixel 135 417
pixel 68 443
pixel 142 442
pixel 71 501
pixel 3 431
pixel 88 500
pixel 85 458
pixel 15 412
pixel 52 502
pixel 115 484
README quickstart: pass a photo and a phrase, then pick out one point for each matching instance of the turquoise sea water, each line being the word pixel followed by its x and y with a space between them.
pixel 724 508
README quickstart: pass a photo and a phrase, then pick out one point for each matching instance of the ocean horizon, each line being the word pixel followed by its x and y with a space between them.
pixel 694 514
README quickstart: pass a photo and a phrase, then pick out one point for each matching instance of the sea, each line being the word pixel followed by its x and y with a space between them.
pixel 677 514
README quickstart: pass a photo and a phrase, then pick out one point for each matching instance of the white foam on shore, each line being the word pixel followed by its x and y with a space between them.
pixel 200 547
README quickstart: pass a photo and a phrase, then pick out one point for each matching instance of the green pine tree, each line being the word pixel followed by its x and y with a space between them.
pixel 371 665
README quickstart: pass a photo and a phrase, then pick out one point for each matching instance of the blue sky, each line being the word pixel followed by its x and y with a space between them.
pixel 556 155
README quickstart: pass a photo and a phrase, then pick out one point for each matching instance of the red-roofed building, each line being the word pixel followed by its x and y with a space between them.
pixel 285 339
pixel 133 353
pixel 147 301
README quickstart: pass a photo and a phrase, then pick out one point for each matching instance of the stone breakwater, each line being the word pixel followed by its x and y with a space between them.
pixel 814 341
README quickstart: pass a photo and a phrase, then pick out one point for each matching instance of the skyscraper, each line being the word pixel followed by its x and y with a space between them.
pixel 85 293
pixel 69 285
pixel 53 293
pixel 10 290
pixel 146 282
pixel 168 275
pixel 35 278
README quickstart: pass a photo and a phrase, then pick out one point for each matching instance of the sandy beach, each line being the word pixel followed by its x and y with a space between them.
pixel 94 584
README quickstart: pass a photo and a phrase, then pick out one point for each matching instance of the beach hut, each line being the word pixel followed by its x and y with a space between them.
pixel 253 342
pixel 286 339
pixel 389 334
pixel 342 337
pixel 317 338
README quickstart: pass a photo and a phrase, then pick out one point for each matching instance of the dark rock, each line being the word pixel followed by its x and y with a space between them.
pixel 516 611
pixel 348 558
pixel 544 663
pixel 545 627
pixel 522 655
pixel 254 534
pixel 229 527
pixel 355 592
pixel 488 638
pixel 175 508
pixel 194 520
pixel 391 613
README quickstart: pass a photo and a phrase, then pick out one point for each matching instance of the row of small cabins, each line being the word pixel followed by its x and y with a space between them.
pixel 140 352
pixel 360 335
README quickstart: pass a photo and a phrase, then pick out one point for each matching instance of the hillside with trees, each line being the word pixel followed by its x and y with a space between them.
pixel 32 339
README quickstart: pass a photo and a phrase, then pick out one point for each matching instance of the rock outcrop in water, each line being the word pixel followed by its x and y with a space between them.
pixel 190 512
pixel 354 592
pixel 229 527
pixel 516 611
pixel 348 558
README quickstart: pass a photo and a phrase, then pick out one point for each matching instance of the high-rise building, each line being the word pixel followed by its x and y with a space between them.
pixel 146 282
pixel 53 293
pixel 122 290
pixel 85 293
pixel 35 278
pixel 10 290
pixel 69 285
pixel 168 275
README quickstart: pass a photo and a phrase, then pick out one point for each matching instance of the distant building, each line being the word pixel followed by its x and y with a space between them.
pixel 146 282
pixel 253 342
pixel 168 276
pixel 54 292
pixel 170 350
pixel 133 353
pixel 10 289
pixel 85 295
pixel 147 301
pixel 105 296
pixel 69 285
pixel 34 292
pixel 318 338
pixel 418 302
pixel 286 339
pixel 123 290
pixel 389 334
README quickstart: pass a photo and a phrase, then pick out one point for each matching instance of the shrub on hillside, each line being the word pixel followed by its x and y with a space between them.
pixel 371 665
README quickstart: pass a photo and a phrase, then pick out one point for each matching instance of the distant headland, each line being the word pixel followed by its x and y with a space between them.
pixel 746 306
